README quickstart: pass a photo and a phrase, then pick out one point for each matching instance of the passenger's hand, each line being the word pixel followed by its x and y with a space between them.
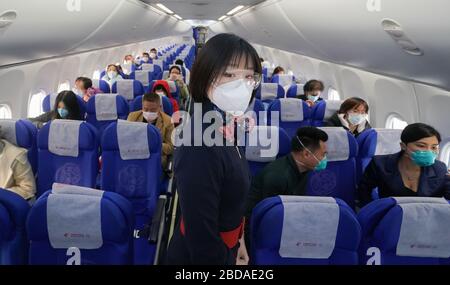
pixel 242 256
pixel 310 103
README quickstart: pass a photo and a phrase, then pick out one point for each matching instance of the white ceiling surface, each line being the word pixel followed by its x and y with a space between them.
pixel 47 28
pixel 202 9
pixel 345 32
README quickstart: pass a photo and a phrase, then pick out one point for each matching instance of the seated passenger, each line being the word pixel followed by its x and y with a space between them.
pixel 352 116
pixel 414 171
pixel 145 58
pixel 112 74
pixel 188 72
pixel 278 71
pixel 176 76
pixel 161 87
pixel 128 59
pixel 16 174
pixel 153 54
pixel 66 107
pixel 311 92
pixel 289 175
pixel 83 88
pixel 151 113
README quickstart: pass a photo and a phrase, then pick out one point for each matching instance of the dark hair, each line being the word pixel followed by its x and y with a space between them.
pixel 70 103
pixel 277 70
pixel 179 62
pixel 153 49
pixel 313 85
pixel 151 97
pixel 417 131
pixel 215 57
pixel 261 59
pixel 351 103
pixel 127 56
pixel 310 137
pixel 175 67
pixel 87 82
pixel 109 65
pixel 145 54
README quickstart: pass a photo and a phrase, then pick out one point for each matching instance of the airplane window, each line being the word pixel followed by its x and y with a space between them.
pixel 64 86
pixel 333 94
pixel 395 122
pixel 5 112
pixel 35 104
pixel 445 154
pixel 96 74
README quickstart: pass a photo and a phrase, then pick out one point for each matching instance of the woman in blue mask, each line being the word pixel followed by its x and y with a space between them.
pixel 67 106
pixel 312 92
pixel 414 171
pixel 212 175
pixel 352 116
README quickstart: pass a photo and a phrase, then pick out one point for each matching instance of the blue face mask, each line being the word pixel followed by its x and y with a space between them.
pixel 423 157
pixel 313 98
pixel 322 165
pixel 63 113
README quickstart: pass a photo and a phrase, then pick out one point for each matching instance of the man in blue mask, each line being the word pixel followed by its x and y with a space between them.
pixel 288 175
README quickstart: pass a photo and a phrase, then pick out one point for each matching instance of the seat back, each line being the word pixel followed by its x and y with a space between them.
pixel 297 230
pixel 268 92
pixel 295 90
pixel 323 110
pixel 289 113
pixel 258 112
pixel 339 178
pixel 264 144
pixel 80 226
pixel 22 133
pixel 132 168
pixel 285 80
pixel 143 76
pixel 405 231
pixel 128 88
pixel 13 242
pixel 373 142
pixel 49 102
pixel 101 84
pixel 67 153
pixel 105 109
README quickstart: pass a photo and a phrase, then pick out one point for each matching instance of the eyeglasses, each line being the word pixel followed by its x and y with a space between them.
pixel 253 79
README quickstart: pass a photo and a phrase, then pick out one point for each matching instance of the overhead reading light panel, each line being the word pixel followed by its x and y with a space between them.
pixel 395 31
pixel 165 9
pixel 7 18
pixel 235 10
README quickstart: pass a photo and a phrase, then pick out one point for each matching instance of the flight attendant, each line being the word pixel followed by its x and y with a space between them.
pixel 213 180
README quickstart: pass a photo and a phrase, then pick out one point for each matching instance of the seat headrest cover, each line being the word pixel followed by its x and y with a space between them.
pixel 63 137
pixel 269 91
pixel 262 144
pixel 148 67
pixel 332 106
pixel 106 107
pixel 388 141
pixel 337 145
pixel 141 76
pixel 132 139
pixel 425 228
pixel 8 131
pixel 291 110
pixel 310 226
pixel 74 220
pixel 125 87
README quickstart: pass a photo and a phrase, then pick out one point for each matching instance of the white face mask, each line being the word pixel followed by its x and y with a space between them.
pixel 77 92
pixel 356 119
pixel 145 59
pixel 233 97
pixel 112 74
pixel 150 116
pixel 152 55
pixel 127 62
pixel 160 93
